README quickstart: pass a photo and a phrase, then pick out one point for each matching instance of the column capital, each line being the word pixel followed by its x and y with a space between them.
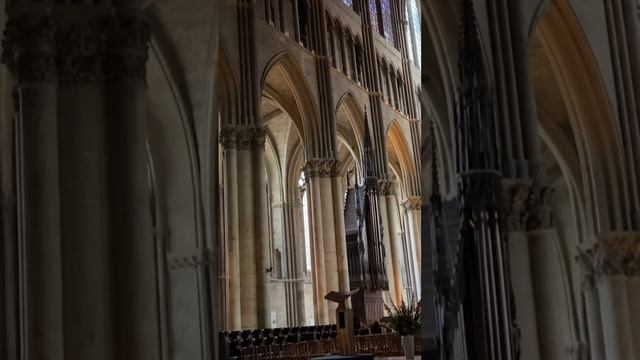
pixel 324 168
pixel 28 48
pixel 80 50
pixel 528 208
pixel 128 49
pixel 615 255
pixel 413 203
pixel 387 187
pixel 286 204
pixel 242 137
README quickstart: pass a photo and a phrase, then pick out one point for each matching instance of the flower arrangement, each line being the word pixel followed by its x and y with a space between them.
pixel 404 319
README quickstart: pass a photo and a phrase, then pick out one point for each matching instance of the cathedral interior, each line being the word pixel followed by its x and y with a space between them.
pixel 194 179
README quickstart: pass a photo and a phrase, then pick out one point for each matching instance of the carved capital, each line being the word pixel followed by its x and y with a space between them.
pixel 612 256
pixel 80 49
pixel 386 187
pixel 28 48
pixel 242 137
pixel 413 203
pixel 325 168
pixel 128 53
pixel 528 208
pixel 228 138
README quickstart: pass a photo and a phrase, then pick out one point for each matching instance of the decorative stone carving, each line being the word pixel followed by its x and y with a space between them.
pixel 242 137
pixel 413 203
pixel 614 256
pixel 528 208
pixel 326 168
pixel 28 46
pixel 386 187
pixel 286 205
pixel 128 50
pixel 186 261
pixel 80 48
pixel 228 138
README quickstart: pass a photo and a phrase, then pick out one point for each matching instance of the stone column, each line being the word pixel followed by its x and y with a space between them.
pixel 592 304
pixel 517 210
pixel 82 133
pixel 132 243
pixel 228 140
pixel 413 207
pixel 246 229
pixel 317 238
pixel 385 192
pixel 613 266
pixel 262 229
pixel 341 237
pixel 29 53
pixel 396 252
pixel 329 236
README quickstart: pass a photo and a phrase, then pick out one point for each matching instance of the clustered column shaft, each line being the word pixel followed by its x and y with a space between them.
pixel 87 258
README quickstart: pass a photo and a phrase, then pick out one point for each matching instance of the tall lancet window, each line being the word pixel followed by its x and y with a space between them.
pixel 414 36
pixel 349 3
pixel 302 185
pixel 373 9
pixel 387 25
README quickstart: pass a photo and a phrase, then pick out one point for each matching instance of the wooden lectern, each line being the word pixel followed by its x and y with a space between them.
pixel 344 321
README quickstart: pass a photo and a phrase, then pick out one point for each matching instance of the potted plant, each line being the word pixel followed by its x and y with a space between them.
pixel 406 321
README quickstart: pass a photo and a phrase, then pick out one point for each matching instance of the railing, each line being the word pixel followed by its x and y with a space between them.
pixel 377 345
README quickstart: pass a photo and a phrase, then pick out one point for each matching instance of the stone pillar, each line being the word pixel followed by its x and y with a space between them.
pixel 228 140
pixel 246 230
pixel 262 229
pixel 132 243
pixel 82 133
pixel 341 237
pixel 612 268
pixel 385 192
pixel 29 53
pixel 517 210
pixel 317 238
pixel 299 248
pixel 396 253
pixel 413 208
pixel 329 233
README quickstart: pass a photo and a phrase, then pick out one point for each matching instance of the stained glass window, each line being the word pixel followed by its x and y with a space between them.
pixel 385 5
pixel 349 3
pixel 414 40
pixel 373 9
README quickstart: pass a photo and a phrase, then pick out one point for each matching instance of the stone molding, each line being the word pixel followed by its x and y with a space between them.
pixel 238 137
pixel 28 48
pixel 324 168
pixel 612 256
pixel 413 203
pixel 528 208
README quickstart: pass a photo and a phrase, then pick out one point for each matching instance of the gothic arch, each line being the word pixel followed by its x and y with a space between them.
pixel 350 126
pixel 591 119
pixel 397 146
pixel 291 92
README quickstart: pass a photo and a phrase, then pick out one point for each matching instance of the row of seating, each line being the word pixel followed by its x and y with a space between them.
pixel 234 341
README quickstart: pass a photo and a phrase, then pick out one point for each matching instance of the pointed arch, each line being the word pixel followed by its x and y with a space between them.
pixel 350 126
pixel 400 152
pixel 283 82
